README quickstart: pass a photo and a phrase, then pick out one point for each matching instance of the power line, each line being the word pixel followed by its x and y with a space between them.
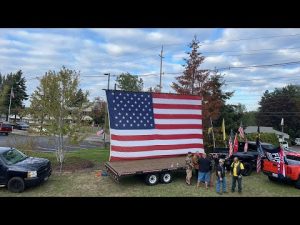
pixel 241 39
pixel 250 50
pixel 258 66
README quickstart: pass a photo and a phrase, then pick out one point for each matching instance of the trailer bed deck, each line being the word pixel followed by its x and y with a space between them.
pixel 119 169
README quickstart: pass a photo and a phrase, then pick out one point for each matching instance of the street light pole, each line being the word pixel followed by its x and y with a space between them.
pixel 108 80
pixel 105 121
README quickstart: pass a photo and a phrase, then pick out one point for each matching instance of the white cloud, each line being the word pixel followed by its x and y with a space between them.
pixel 98 51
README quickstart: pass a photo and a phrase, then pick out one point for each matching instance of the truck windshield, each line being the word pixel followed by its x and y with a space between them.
pixel 13 156
pixel 268 146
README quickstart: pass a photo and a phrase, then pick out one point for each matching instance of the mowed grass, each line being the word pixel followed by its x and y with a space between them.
pixel 86 183
pixel 85 158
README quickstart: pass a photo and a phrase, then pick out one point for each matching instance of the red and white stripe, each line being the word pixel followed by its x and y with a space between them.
pixel 230 146
pixel 178 130
pixel 258 164
pixel 281 164
pixel 241 130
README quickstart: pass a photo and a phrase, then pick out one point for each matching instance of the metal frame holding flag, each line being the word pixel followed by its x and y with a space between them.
pixel 153 125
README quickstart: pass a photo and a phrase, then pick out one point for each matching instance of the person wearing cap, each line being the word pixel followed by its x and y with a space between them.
pixel 221 178
pixel 189 168
pixel 204 170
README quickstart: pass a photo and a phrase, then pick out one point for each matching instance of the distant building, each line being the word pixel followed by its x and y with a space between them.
pixel 253 129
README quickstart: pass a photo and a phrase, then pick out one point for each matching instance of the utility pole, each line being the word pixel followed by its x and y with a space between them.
pixel 11 92
pixel 161 58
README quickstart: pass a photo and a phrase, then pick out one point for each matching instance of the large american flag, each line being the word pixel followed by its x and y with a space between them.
pixel 153 125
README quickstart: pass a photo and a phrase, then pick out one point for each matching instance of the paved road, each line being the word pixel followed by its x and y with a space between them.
pixel 295 148
pixel 47 143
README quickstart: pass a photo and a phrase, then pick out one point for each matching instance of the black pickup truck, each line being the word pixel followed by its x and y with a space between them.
pixel 248 158
pixel 18 171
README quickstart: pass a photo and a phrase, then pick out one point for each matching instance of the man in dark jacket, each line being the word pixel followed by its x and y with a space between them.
pixel 221 178
pixel 236 170
pixel 204 171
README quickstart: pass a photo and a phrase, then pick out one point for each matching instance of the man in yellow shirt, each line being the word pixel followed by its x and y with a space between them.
pixel 236 169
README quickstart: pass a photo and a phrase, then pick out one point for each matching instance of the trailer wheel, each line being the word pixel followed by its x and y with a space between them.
pixel 297 184
pixel 152 179
pixel 166 178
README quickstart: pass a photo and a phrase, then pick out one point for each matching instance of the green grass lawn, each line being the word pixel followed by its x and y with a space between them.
pixel 85 183
pixel 90 157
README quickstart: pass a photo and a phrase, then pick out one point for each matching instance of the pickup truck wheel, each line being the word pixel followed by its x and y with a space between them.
pixel 247 169
pixel 6 134
pixel 16 185
pixel 297 185
pixel 166 178
pixel 152 179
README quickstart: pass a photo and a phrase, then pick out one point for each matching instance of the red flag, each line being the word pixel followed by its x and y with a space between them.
pixel 246 146
pixel 230 144
pixel 236 144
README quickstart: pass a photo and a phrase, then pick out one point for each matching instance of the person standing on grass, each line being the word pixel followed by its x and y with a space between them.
pixel 189 168
pixel 236 170
pixel 196 164
pixel 204 170
pixel 221 178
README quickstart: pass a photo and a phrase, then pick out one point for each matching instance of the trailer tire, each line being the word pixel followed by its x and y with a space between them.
pixel 152 179
pixel 166 178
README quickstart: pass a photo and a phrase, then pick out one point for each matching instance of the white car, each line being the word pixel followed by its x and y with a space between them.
pixel 297 141
pixel 284 144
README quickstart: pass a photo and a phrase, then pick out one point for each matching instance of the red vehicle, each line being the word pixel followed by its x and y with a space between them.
pixel 5 128
pixel 292 168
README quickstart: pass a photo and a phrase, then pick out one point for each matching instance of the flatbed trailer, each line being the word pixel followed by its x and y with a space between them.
pixel 153 170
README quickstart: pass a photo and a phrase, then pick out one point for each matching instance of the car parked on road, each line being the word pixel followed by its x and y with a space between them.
pixel 21 126
pixel 5 128
pixel 18 171
pixel 284 144
pixel 297 141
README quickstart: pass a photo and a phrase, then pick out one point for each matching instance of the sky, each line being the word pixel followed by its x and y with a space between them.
pixel 95 52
